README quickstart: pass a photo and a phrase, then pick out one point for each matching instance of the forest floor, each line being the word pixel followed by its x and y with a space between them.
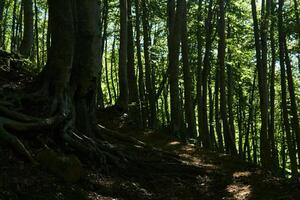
pixel 199 174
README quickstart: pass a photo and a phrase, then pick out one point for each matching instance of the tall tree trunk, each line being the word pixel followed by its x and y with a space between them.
pixel 203 122
pixel 294 106
pixel 149 86
pixel 217 113
pixel 45 23
pixel 296 8
pixel 123 81
pixel 3 35
pixel 112 66
pixel 289 138
pixel 2 7
pixel 229 139
pixel 272 93
pixel 36 34
pixel 199 67
pixel 250 115
pixel 175 35
pixel 141 83
pixel 106 73
pixel 27 41
pixel 265 153
pixel 189 108
pixel 70 75
pixel 13 26
pixel 132 81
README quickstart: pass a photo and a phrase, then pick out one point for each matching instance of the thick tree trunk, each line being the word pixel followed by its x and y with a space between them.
pixel 71 74
pixel 175 35
pixel 27 42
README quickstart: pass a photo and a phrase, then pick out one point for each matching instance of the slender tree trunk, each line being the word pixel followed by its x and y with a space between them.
pixel 123 81
pixel 36 34
pixel 291 147
pixel 112 66
pixel 3 36
pixel 141 84
pixel 272 93
pixel 229 88
pixel 165 94
pixel 13 26
pixel 132 81
pixel 106 73
pixel 217 113
pixel 211 117
pixel 229 139
pixel 189 108
pixel 2 7
pixel 149 86
pixel 265 153
pixel 199 69
pixel 203 122
pixel 250 115
pixel 296 6
pixel 19 24
pixel 294 106
pixel 43 37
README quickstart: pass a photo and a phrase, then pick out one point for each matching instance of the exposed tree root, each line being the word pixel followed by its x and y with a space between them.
pixel 128 152
pixel 11 121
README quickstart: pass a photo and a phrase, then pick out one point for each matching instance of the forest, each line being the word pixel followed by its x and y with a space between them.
pixel 149 99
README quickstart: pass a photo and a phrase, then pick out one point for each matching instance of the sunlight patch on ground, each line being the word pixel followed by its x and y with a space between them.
pixel 241 174
pixel 240 192
pixel 173 143
pixel 197 162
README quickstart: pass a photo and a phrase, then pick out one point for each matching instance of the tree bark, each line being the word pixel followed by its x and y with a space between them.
pixel 150 95
pixel 70 75
pixel 263 92
pixel 189 108
pixel 123 80
pixel 291 147
pixel 229 139
pixel 203 122
pixel 141 84
pixel 175 35
pixel 27 41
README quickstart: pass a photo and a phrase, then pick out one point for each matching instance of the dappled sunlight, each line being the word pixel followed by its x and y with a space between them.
pixel 241 174
pixel 239 191
pixel 173 143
